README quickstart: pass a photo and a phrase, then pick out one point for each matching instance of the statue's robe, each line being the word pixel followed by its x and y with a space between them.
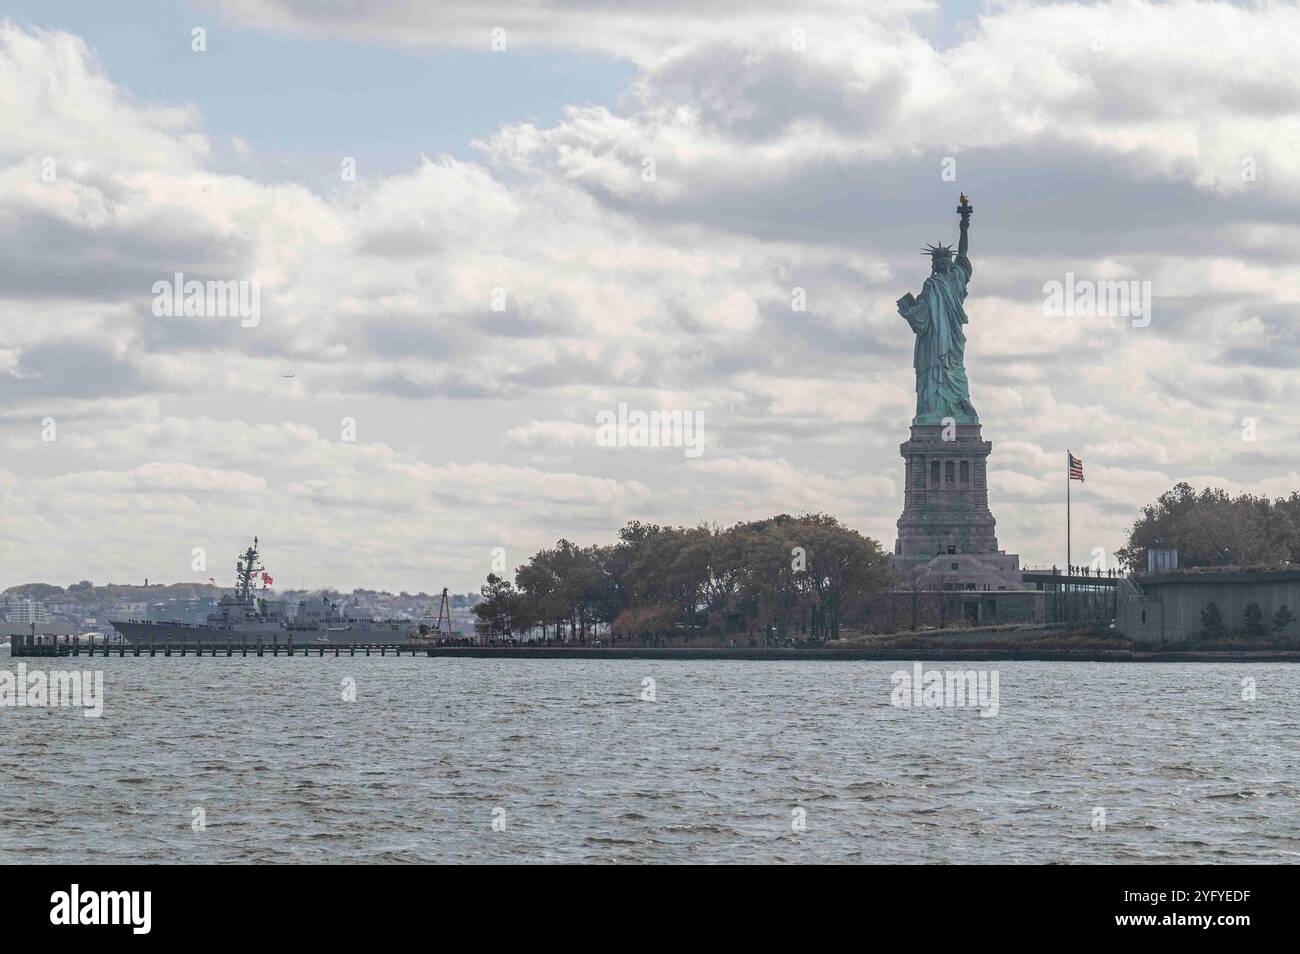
pixel 936 316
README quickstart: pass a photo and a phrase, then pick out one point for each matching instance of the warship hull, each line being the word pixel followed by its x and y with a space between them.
pixel 343 634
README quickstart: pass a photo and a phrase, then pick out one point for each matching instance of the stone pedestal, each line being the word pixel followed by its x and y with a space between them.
pixel 946 501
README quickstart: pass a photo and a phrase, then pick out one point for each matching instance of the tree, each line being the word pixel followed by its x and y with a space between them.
pixel 539 604
pixel 1282 619
pixel 644 622
pixel 1212 528
pixel 1253 621
pixel 607 598
pixel 35 591
pixel 1211 621
pixel 494 609
pixel 841 564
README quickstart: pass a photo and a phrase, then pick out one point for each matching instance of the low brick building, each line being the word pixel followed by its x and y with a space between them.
pixel 981 588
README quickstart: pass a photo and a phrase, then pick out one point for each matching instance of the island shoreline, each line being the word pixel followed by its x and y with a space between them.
pixel 772 654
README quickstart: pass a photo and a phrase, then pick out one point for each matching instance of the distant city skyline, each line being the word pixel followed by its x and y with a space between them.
pixel 477 234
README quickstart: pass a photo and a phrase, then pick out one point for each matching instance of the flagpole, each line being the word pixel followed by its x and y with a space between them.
pixel 1067 512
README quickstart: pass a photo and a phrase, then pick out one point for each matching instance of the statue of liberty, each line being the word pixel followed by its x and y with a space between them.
pixel 936 316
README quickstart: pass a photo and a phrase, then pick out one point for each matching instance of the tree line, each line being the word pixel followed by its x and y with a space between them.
pixel 784 578
pixel 1213 528
pixel 1252 625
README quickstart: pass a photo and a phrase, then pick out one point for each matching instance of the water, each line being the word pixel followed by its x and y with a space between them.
pixel 286 771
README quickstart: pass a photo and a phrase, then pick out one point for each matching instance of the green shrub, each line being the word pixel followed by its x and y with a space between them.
pixel 1253 622
pixel 1212 622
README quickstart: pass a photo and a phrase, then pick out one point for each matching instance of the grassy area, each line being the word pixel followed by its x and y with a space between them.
pixel 1023 638
pixel 1081 638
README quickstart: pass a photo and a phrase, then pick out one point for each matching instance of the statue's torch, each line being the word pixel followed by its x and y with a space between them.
pixel 964 209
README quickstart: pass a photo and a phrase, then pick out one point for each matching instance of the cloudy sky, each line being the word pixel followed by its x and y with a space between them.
pixel 501 269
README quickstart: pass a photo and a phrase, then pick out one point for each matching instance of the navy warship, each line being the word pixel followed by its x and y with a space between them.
pixel 248 616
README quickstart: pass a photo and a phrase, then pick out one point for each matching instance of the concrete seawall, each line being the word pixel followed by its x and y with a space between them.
pixel 934 654
pixel 865 655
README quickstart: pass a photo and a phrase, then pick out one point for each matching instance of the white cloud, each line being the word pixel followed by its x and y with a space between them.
pixel 55 102
pixel 639 30
pixel 551 434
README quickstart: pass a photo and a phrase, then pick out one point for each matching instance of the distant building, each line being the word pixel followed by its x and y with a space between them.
pixel 130 610
pixel 1167 607
pixel 65 609
pixel 22 609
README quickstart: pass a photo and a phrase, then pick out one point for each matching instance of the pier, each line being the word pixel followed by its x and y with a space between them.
pixel 28 645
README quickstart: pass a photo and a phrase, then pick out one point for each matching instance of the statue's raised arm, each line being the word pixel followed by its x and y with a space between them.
pixel 964 209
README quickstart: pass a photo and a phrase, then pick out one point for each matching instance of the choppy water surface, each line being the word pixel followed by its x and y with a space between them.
pixel 286 771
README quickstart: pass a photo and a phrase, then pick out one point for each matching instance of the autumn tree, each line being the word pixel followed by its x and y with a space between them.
pixel 1213 528
pixel 784 576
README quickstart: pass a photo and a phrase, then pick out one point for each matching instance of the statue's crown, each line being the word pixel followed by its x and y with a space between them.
pixel 934 251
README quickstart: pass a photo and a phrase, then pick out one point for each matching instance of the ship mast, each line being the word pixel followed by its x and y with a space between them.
pixel 244 573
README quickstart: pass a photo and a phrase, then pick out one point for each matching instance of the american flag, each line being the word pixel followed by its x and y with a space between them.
pixel 1076 467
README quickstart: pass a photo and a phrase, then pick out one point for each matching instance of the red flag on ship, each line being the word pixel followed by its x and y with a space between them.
pixel 266 580
pixel 1076 467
